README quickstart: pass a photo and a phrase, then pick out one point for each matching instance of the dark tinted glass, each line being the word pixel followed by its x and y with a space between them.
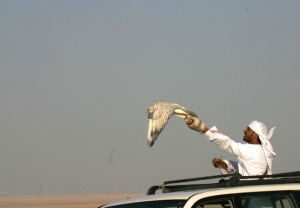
pixel 268 200
pixel 298 195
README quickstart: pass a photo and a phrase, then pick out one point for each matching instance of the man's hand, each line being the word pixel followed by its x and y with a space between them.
pixel 196 124
pixel 218 163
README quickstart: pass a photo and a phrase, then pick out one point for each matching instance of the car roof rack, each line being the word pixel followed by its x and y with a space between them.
pixel 229 180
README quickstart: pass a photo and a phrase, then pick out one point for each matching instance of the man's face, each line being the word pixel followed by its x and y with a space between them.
pixel 249 135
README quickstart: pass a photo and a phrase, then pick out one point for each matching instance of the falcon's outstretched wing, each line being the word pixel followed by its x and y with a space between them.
pixel 159 114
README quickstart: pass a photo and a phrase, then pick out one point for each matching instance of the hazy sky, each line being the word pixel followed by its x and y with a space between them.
pixel 76 78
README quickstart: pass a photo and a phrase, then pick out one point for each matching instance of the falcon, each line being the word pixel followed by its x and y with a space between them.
pixel 160 113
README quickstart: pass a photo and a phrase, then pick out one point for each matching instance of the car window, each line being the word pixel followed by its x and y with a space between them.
pixel 154 204
pixel 268 200
pixel 215 203
pixel 297 193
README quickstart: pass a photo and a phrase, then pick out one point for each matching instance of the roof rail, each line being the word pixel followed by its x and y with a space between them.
pixel 230 180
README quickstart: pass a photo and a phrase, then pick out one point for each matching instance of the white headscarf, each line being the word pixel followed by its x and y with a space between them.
pixel 261 129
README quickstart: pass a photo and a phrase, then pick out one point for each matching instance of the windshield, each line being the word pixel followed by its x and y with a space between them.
pixel 154 204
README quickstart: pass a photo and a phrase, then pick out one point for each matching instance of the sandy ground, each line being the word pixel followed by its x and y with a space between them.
pixel 62 201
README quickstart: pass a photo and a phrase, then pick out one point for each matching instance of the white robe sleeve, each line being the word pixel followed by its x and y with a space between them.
pixel 232 167
pixel 227 144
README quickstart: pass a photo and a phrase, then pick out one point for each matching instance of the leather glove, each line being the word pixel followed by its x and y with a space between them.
pixel 195 124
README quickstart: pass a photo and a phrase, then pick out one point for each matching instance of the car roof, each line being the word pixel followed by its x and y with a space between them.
pixel 185 195
pixel 182 195
pixel 229 180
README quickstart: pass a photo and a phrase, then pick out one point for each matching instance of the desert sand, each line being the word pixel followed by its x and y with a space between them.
pixel 61 201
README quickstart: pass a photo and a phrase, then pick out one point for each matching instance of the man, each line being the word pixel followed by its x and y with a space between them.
pixel 253 158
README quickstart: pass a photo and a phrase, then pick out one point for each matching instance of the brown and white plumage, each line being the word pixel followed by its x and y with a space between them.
pixel 159 114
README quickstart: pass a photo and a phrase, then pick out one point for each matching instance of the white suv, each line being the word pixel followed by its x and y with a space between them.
pixel 278 190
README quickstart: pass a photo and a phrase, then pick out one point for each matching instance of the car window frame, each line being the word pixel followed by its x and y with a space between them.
pixel 217 197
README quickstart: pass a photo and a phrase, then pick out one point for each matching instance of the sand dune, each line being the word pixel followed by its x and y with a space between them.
pixel 62 201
